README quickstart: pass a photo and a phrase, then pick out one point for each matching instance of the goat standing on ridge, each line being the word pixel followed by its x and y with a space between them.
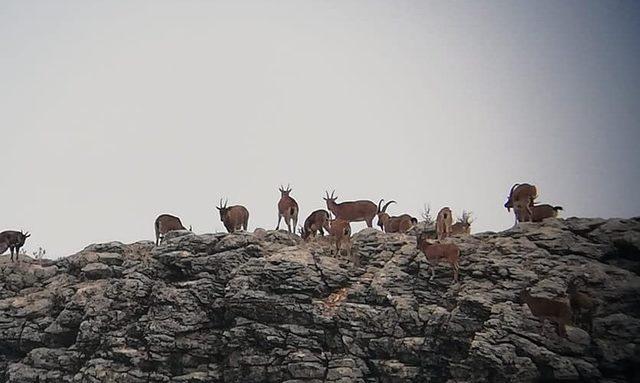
pixel 12 240
pixel 444 220
pixel 233 217
pixel 352 211
pixel 287 209
pixel 521 197
pixel 340 232
pixel 318 221
pixel 166 223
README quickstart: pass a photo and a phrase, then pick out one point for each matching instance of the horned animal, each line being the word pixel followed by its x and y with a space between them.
pixel 521 196
pixel 12 240
pixel 463 225
pixel 438 252
pixel 548 309
pixel 166 223
pixel 287 209
pixel 398 224
pixel 537 213
pixel 233 217
pixel 583 306
pixel 340 233
pixel 444 221
pixel 318 221
pixel 352 211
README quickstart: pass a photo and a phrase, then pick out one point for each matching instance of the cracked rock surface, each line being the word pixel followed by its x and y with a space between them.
pixel 269 308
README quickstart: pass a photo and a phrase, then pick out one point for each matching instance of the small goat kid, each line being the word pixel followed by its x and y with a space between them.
pixel 444 220
pixel 233 217
pixel 536 213
pixel 166 223
pixel 548 309
pixel 352 211
pixel 12 240
pixel 340 232
pixel 287 209
pixel 398 224
pixel 318 221
pixel 435 253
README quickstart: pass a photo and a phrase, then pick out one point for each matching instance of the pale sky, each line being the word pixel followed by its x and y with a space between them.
pixel 112 112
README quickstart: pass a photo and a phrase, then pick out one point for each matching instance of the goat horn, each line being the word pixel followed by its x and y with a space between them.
pixel 384 208
pixel 512 188
pixel 379 205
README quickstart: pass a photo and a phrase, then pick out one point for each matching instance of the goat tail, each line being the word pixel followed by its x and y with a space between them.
pixel 557 208
pixel 414 220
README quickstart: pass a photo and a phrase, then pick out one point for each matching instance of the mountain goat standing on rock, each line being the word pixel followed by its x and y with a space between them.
pixel 521 198
pixel 352 211
pixel 233 217
pixel 444 220
pixel 166 223
pixel 287 209
pixel 447 252
pixel 12 240
pixel 318 221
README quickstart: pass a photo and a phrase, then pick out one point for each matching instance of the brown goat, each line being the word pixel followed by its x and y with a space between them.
pixel 463 225
pixel 12 240
pixel 352 211
pixel 316 221
pixel 340 233
pixel 287 209
pixel 398 224
pixel 583 306
pixel 444 220
pixel 537 213
pixel 544 308
pixel 233 217
pixel 166 223
pixel 521 197
pixel 435 253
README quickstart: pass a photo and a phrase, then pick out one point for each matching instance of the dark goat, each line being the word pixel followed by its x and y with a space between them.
pixel 12 240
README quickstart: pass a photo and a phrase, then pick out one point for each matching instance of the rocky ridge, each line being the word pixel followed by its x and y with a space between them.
pixel 268 308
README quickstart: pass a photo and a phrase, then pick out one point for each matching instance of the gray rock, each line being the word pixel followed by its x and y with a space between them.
pixel 266 307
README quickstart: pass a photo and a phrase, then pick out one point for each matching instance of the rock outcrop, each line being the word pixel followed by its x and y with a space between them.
pixel 268 308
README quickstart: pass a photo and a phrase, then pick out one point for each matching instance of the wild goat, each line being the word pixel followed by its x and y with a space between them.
pixel 463 224
pixel 166 223
pixel 340 232
pixel 521 197
pixel 233 217
pixel 435 253
pixel 545 308
pixel 583 306
pixel 537 213
pixel 443 223
pixel 12 240
pixel 287 209
pixel 399 224
pixel 316 221
pixel 352 211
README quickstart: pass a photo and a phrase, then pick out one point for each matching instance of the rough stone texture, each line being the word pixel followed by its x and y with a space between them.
pixel 269 308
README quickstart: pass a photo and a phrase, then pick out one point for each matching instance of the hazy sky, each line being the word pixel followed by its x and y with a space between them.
pixel 112 112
